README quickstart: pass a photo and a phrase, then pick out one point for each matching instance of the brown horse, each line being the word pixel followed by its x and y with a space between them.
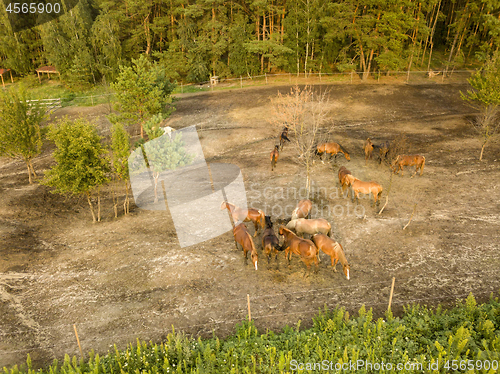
pixel 358 186
pixel 270 242
pixel 343 173
pixel 303 209
pixel 383 151
pixel 243 238
pixel 301 247
pixel 310 226
pixel 331 149
pixel 274 157
pixel 403 160
pixel 284 137
pixel 334 250
pixel 368 149
pixel 245 215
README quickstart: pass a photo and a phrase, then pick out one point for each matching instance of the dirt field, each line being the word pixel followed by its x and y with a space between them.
pixel 128 278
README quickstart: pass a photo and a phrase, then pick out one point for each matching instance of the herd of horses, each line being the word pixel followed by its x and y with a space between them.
pixel 293 242
pixel 292 230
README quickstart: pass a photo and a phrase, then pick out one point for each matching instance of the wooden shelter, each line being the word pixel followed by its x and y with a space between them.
pixel 47 69
pixel 2 72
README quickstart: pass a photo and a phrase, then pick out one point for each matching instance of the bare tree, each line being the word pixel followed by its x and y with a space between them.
pixel 303 112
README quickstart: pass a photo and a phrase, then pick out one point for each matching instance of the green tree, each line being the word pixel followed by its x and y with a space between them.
pixel 485 95
pixel 169 154
pixel 20 135
pixel 120 146
pixel 68 44
pixel 81 162
pixel 142 90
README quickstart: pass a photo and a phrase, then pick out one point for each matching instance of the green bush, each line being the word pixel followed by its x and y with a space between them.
pixel 420 337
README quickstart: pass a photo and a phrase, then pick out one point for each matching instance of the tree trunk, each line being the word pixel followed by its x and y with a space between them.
pixel 156 175
pixel 91 207
pixel 32 169
pixel 115 201
pixel 432 36
pixel 482 150
pixel 29 171
pixel 98 205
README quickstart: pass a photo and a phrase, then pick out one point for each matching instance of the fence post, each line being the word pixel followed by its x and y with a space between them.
pixel 290 77
pixel 182 88
pixel 78 340
pixel 249 312
pixel 241 82
pixel 320 76
pixel 265 74
pixel 392 291
pixel 92 100
pixel 351 75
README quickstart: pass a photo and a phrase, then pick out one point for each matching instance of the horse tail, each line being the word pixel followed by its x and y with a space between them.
pixel 422 167
pixel 262 218
pixel 273 161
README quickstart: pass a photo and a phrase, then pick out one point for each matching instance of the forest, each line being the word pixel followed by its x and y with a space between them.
pixel 194 40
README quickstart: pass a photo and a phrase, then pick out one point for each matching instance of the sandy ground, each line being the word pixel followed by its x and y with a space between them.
pixel 128 278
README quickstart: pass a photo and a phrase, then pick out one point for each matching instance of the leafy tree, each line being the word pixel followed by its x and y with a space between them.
pixel 142 90
pixel 120 146
pixel 169 154
pixel 81 163
pixel 20 135
pixel 485 95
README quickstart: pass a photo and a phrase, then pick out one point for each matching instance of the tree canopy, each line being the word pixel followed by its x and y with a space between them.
pixel 196 39
pixel 20 133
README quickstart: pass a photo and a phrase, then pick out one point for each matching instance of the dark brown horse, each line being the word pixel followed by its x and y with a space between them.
pixel 403 160
pixel 331 149
pixel 245 215
pixel 274 157
pixel 334 250
pixel 243 238
pixel 343 173
pixel 303 209
pixel 383 151
pixel 304 248
pixel 270 242
pixel 284 137
pixel 309 226
pixel 358 186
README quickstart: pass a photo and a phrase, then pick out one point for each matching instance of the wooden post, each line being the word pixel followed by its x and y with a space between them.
pixel 11 79
pixel 241 82
pixel 92 100
pixel 265 74
pixel 78 340
pixel 182 89
pixel 320 76
pixel 249 312
pixel 290 77
pixel 3 83
pixel 392 291
pixel 351 75
pixel 39 80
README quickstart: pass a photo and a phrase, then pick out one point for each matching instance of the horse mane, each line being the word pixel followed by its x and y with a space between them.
pixel 342 149
pixel 341 255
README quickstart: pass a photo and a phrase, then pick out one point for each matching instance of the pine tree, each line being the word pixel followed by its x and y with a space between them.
pixel 120 146
pixel 142 90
